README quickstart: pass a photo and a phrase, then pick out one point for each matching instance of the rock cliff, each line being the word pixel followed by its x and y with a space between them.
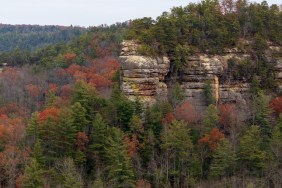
pixel 144 77
pixel 203 69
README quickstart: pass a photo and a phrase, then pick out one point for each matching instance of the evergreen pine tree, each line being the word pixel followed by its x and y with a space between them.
pixel 276 142
pixel 33 175
pixel 66 132
pixel 211 118
pixel 71 177
pixel 86 96
pixel 208 94
pixel 99 137
pixel 262 114
pixel 38 153
pixel 178 94
pixel 250 154
pixel 118 164
pixel 79 117
pixel 223 160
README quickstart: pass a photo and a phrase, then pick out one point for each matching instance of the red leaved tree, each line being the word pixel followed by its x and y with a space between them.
pixel 186 112
pixel 227 115
pixel 132 145
pixel 276 105
pixel 169 117
pixel 33 90
pixel 49 113
pixel 81 141
pixel 12 131
pixel 70 57
pixel 212 140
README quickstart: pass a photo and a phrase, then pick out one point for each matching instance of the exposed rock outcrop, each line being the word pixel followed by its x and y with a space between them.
pixel 275 54
pixel 203 69
pixel 142 76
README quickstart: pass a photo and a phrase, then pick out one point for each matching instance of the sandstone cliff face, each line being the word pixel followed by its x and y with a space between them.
pixel 203 69
pixel 144 77
pixel 275 53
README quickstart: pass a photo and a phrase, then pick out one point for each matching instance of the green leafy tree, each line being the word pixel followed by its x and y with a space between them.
pixel 33 126
pixel 79 117
pixel 56 133
pixel 38 153
pixel 66 134
pixel 178 94
pixel 124 108
pixel 262 114
pixel 71 177
pixel 118 164
pixel 33 175
pixel 50 98
pixel 260 43
pixel 255 86
pixel 99 137
pixel 138 107
pixel 251 155
pixel 211 118
pixel 86 95
pixel 178 145
pixel 208 94
pixel 223 161
pixel 276 142
pixel 182 53
pixel 136 127
pixel 98 183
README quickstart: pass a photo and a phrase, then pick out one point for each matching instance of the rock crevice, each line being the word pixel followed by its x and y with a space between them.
pixel 144 77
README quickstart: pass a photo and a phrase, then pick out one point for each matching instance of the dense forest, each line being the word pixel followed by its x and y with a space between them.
pixel 32 37
pixel 64 121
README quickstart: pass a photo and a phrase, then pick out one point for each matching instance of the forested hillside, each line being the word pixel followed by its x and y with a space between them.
pixel 64 121
pixel 32 37
pixel 93 43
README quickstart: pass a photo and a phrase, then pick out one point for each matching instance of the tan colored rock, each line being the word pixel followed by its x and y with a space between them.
pixel 129 47
pixel 143 76
pixel 203 69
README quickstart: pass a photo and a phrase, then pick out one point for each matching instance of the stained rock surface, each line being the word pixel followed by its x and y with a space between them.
pixel 147 78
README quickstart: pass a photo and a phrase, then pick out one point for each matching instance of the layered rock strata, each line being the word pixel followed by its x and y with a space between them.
pixel 141 76
pixel 144 77
pixel 202 70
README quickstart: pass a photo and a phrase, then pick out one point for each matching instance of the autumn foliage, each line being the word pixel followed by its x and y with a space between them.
pixel 12 131
pixel 99 74
pixel 33 90
pixel 81 141
pixel 13 109
pixel 186 112
pixel 276 105
pixel 53 87
pixel 66 91
pixel 132 145
pixel 212 139
pixel 169 117
pixel 143 184
pixel 227 115
pixel 49 113
pixel 70 56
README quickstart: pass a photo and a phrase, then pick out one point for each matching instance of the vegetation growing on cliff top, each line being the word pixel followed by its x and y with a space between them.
pixel 210 26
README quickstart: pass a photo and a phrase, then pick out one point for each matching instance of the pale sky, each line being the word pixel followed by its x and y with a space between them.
pixel 85 12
